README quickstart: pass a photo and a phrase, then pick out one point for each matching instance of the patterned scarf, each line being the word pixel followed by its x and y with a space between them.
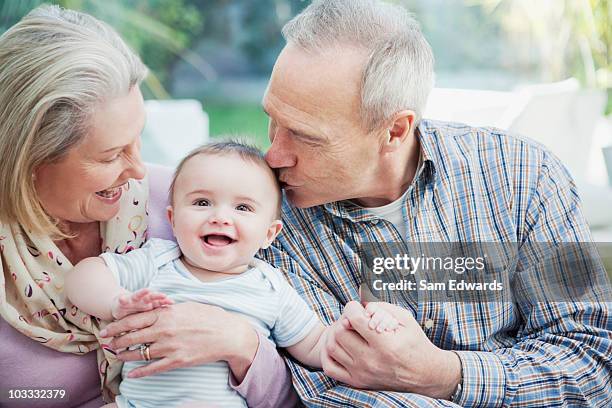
pixel 31 286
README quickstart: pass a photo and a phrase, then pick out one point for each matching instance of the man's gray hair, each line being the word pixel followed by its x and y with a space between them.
pixel 399 71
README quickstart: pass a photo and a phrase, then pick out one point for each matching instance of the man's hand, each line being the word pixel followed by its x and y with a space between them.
pixel 402 360
pixel 140 301
pixel 184 335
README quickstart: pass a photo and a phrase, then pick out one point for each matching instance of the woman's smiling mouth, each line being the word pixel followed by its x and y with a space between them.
pixel 110 194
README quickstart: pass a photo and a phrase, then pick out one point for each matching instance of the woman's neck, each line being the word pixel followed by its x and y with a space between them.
pixel 85 242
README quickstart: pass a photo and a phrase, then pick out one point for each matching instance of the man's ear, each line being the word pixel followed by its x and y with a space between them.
pixel 273 230
pixel 399 128
pixel 170 215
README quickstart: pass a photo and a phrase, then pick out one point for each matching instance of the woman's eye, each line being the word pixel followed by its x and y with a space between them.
pixel 201 203
pixel 243 207
pixel 112 159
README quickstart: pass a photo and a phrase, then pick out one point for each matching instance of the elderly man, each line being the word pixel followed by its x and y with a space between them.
pixel 358 164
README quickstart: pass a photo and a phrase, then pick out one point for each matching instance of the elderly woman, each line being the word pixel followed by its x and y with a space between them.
pixel 71 186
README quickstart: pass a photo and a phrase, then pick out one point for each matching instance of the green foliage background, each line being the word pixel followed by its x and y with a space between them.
pixel 159 30
pixel 164 32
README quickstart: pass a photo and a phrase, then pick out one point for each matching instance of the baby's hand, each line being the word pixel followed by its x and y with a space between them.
pixel 380 319
pixel 139 301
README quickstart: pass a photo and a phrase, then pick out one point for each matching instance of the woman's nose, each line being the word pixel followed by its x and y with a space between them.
pixel 136 169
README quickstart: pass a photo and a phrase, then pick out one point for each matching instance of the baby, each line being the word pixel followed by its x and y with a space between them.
pixel 224 207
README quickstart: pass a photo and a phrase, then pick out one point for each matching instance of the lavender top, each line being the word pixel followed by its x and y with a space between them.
pixel 27 364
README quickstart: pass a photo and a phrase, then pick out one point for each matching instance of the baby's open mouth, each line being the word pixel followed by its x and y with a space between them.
pixel 218 240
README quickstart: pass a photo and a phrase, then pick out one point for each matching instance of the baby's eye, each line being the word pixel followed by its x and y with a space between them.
pixel 201 202
pixel 244 207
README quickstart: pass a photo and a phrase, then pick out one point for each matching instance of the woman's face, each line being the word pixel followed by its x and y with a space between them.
pixel 85 186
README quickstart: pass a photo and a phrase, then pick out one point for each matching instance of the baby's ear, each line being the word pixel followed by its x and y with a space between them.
pixel 170 215
pixel 273 230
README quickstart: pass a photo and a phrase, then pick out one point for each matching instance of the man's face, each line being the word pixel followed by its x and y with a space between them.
pixel 321 148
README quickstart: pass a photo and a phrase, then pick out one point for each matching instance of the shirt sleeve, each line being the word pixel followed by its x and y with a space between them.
pixel 133 270
pixel 563 348
pixel 314 387
pixel 267 383
pixel 295 319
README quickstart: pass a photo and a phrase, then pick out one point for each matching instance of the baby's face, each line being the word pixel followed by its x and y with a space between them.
pixel 224 212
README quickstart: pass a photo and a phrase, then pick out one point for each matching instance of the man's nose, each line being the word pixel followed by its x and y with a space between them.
pixel 280 154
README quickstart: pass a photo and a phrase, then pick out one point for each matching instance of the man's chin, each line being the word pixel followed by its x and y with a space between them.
pixel 300 200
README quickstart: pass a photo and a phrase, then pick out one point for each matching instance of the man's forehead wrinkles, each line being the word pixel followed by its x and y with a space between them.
pixel 293 118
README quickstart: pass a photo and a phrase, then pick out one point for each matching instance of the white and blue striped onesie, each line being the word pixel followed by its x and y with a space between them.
pixel 261 294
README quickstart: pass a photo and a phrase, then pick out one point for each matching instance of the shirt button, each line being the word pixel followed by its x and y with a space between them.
pixel 429 323
pixel 374 221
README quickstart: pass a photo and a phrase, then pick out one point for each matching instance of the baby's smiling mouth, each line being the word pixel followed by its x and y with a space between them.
pixel 218 240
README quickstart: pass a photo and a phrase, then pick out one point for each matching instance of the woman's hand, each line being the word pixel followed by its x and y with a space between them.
pixel 184 335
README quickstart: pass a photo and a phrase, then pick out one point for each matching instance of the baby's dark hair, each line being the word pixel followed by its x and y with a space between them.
pixel 237 147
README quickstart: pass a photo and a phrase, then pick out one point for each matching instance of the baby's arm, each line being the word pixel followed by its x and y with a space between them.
pixel 308 350
pixel 92 287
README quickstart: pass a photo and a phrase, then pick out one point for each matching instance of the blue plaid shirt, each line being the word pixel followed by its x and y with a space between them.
pixel 475 185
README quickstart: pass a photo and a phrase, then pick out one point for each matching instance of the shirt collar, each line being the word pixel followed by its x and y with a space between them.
pixel 427 135
pixel 349 210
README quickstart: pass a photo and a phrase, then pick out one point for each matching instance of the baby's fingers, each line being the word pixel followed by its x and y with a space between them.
pixel 388 323
pixel 139 295
pixel 159 303
pixel 129 299
pixel 375 320
pixel 124 300
pixel 382 320
pixel 157 296
pixel 371 308
pixel 165 301
pixel 157 299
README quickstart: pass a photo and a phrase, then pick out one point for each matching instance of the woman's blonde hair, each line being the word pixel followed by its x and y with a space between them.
pixel 56 67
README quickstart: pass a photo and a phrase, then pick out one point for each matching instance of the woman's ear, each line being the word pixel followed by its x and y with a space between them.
pixel 273 230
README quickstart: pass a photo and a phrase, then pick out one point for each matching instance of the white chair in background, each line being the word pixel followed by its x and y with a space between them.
pixel 471 106
pixel 173 128
pixel 560 115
